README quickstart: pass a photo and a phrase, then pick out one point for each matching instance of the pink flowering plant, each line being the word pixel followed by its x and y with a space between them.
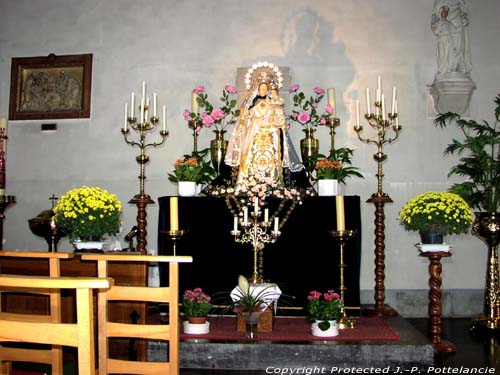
pixel 196 303
pixel 307 111
pixel 323 307
pixel 211 116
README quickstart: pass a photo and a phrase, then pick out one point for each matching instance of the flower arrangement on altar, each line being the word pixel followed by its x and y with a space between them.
pixel 336 166
pixel 323 308
pixel 436 211
pixel 193 168
pixel 88 213
pixel 305 111
pixel 196 303
pixel 216 117
pixel 248 300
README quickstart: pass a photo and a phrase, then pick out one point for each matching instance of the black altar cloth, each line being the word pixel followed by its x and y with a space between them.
pixel 304 258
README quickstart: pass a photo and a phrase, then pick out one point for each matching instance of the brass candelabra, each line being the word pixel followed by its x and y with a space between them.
pixel 194 125
pixel 332 123
pixel 257 233
pixel 342 236
pixel 143 126
pixel 382 125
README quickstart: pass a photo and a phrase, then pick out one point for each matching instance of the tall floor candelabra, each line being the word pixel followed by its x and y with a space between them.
pixel 143 126
pixel 256 232
pixel 382 124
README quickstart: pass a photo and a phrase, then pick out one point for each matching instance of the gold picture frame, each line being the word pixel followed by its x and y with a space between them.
pixel 50 87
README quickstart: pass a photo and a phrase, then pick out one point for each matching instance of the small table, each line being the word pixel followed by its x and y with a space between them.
pixel 435 306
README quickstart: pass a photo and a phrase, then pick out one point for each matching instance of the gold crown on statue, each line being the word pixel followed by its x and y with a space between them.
pixel 264 72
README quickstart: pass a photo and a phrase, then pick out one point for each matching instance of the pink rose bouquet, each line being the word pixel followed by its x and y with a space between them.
pixel 306 111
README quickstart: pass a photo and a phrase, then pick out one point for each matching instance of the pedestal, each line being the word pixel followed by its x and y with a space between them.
pixel 435 306
pixel 379 308
pixel 141 201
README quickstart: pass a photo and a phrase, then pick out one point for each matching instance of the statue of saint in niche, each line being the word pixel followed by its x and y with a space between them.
pixel 450 22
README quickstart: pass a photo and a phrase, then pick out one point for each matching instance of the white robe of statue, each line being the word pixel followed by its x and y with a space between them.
pixel 450 22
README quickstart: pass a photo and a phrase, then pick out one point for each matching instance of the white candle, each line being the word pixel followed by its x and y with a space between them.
pixel 245 214
pixel 174 214
pixel 339 203
pixel 132 105
pixel 125 121
pixel 164 118
pixel 143 89
pixel 146 110
pixel 368 101
pixel 235 223
pixel 276 223
pixel 397 116
pixel 194 103
pixel 142 110
pixel 393 99
pixel 331 100
pixel 383 108
pixel 256 205
pixel 379 84
pixel 266 215
pixel 154 105
pixel 357 113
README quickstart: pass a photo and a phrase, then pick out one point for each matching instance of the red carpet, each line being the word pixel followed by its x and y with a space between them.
pixel 297 329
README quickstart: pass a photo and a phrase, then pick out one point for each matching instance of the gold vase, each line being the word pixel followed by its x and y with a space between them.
pixel 309 149
pixel 218 148
pixel 487 227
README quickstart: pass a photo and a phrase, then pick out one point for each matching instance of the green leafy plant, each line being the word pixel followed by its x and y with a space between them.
pixel 247 300
pixel 479 162
pixel 88 213
pixel 437 211
pixel 193 167
pixel 337 165
pixel 323 307
pixel 195 302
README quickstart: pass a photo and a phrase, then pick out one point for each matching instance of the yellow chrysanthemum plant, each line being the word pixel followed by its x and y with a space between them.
pixel 442 212
pixel 88 213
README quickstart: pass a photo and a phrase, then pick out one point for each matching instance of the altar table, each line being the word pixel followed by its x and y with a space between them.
pixel 304 258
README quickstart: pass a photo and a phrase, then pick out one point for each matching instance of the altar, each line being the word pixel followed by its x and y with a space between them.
pixel 304 258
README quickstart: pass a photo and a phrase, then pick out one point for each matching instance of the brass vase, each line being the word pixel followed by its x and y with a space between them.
pixel 309 149
pixel 487 227
pixel 218 148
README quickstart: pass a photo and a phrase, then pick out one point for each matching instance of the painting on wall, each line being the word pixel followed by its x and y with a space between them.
pixel 50 87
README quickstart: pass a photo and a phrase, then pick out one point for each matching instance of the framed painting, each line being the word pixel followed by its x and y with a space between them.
pixel 51 87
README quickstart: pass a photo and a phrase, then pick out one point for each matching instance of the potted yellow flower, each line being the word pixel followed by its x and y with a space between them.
pixel 435 214
pixel 88 214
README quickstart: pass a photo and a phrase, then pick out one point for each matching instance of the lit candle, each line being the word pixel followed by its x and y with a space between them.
pixel 194 103
pixel 266 215
pixel 357 113
pixel 383 108
pixel 245 214
pixel 235 223
pixel 368 101
pixel 154 105
pixel 125 122
pixel 164 118
pixel 276 223
pixel 331 100
pixel 143 89
pixel 174 214
pixel 393 100
pixel 132 105
pixel 339 202
pixel 256 205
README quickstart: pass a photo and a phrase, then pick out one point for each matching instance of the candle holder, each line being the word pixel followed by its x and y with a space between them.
pixel 332 123
pixel 342 236
pixel 143 127
pixel 175 236
pixel 379 199
pixel 256 233
pixel 194 124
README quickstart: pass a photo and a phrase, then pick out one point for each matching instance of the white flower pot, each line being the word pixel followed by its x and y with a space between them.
pixel 88 245
pixel 196 329
pixel 328 187
pixel 330 332
pixel 186 188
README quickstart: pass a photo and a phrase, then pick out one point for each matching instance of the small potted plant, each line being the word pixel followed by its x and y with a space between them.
pixel 435 214
pixel 191 171
pixel 333 170
pixel 196 305
pixel 323 310
pixel 87 214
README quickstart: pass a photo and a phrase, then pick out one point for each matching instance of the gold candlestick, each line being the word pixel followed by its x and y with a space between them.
pixel 332 123
pixel 175 236
pixel 342 236
pixel 194 124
